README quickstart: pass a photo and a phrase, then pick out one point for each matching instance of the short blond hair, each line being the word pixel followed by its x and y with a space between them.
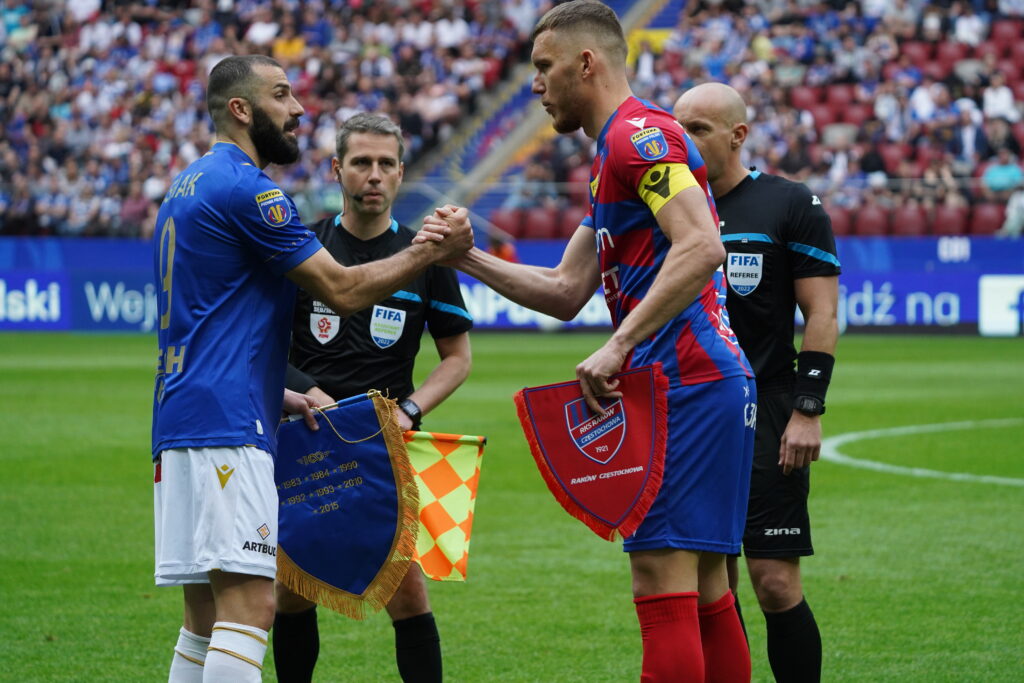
pixel 587 18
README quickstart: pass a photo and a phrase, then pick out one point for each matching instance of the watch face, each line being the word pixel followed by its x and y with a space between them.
pixel 809 404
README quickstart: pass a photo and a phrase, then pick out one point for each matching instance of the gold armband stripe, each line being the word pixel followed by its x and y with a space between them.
pixel 662 182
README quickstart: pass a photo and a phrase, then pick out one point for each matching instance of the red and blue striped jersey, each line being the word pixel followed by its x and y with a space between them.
pixel 644 158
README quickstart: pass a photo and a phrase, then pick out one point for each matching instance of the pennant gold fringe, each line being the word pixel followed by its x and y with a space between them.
pixel 383 586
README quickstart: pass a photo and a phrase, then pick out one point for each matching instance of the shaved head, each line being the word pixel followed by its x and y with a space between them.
pixel 715 117
pixel 713 100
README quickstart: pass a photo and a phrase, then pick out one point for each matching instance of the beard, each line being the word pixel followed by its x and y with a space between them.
pixel 272 144
pixel 568 118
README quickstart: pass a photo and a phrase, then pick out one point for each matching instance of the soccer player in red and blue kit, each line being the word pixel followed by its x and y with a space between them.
pixel 659 260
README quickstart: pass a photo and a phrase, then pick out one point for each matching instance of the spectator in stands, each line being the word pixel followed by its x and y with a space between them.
pixel 998 100
pixel 1014 223
pixel 969 144
pixel 1000 135
pixel 534 187
pixel 1001 177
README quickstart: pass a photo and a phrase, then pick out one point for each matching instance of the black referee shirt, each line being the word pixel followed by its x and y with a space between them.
pixel 376 347
pixel 775 231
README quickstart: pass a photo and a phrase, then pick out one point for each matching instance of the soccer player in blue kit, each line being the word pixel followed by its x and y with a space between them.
pixel 782 254
pixel 229 250
pixel 659 260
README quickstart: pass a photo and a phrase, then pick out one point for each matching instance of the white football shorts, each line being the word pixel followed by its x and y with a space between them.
pixel 214 508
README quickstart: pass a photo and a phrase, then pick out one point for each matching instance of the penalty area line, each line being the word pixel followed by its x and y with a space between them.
pixel 830 450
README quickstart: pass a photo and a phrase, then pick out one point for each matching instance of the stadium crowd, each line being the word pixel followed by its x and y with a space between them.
pixel 903 116
pixel 102 102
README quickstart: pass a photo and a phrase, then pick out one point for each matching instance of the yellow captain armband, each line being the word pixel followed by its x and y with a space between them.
pixel 662 182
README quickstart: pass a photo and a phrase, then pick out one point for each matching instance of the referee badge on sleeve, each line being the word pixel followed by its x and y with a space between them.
pixel 743 272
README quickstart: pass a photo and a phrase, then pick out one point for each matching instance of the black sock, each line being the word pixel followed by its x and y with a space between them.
pixel 418 649
pixel 296 646
pixel 794 645
pixel 739 613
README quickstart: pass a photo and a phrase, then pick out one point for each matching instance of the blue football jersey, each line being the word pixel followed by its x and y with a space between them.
pixel 224 238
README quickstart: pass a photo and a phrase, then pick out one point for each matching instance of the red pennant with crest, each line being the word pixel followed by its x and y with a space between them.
pixel 605 470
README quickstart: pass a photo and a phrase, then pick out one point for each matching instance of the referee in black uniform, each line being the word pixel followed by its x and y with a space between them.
pixel 781 254
pixel 334 357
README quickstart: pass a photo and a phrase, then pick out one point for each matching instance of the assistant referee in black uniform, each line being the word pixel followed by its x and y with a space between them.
pixel 781 254
pixel 333 358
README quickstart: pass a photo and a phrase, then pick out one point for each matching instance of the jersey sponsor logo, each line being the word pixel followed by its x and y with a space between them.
pixel 599 437
pixel 257 547
pixel 274 208
pixel 650 143
pixel 744 272
pixel 263 531
pixel 791 531
pixel 223 474
pixel 386 325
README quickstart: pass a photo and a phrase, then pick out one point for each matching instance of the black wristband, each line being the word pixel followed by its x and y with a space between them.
pixel 410 408
pixel 813 373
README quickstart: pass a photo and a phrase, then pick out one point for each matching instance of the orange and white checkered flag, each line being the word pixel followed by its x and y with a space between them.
pixel 447 471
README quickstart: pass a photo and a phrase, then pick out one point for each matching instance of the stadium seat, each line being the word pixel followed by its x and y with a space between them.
pixel 840 220
pixel 857 114
pixel 949 220
pixel 987 218
pixel 1005 32
pixel 509 221
pixel 822 115
pixel 1010 68
pixel 579 185
pixel 839 95
pixel 989 47
pixel 871 221
pixel 949 52
pixel 804 97
pixel 1018 128
pixel 540 223
pixel 1016 51
pixel 892 154
pixel 918 51
pixel 937 71
pixel 909 221
pixel 570 220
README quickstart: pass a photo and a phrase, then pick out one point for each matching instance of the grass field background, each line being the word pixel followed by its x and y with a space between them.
pixel 915 579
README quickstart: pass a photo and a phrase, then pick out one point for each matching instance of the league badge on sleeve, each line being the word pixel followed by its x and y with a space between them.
pixel 274 208
pixel 650 143
pixel 324 323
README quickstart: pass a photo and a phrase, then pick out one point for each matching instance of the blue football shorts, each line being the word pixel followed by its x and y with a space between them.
pixel 702 504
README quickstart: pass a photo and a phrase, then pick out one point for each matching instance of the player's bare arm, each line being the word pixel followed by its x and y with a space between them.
pixel 347 290
pixel 560 292
pixel 695 253
pixel 456 362
pixel 817 298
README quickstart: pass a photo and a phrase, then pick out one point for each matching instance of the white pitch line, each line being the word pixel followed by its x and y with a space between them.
pixel 830 450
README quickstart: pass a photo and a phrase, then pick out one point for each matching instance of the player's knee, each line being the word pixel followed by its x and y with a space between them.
pixel 777 591
pixel 410 600
pixel 289 602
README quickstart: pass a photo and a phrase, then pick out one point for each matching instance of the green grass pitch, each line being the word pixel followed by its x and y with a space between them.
pixel 915 578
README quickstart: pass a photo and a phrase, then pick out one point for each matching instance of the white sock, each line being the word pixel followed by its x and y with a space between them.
pixel 189 655
pixel 235 654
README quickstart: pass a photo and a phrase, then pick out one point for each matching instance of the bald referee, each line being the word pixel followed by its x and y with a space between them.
pixel 781 254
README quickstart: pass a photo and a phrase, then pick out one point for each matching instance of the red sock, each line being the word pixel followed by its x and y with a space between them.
pixel 726 655
pixel 671 637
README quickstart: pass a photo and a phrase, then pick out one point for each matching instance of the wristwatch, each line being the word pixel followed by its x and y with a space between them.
pixel 809 405
pixel 410 408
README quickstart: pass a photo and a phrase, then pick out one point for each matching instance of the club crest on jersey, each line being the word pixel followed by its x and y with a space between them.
pixel 598 437
pixel 274 207
pixel 324 323
pixel 650 143
pixel 744 272
pixel 386 325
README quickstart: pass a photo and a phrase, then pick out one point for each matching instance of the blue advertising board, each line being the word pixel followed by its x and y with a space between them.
pixel 920 284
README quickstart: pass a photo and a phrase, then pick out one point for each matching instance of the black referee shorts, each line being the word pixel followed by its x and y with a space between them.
pixel 777 521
